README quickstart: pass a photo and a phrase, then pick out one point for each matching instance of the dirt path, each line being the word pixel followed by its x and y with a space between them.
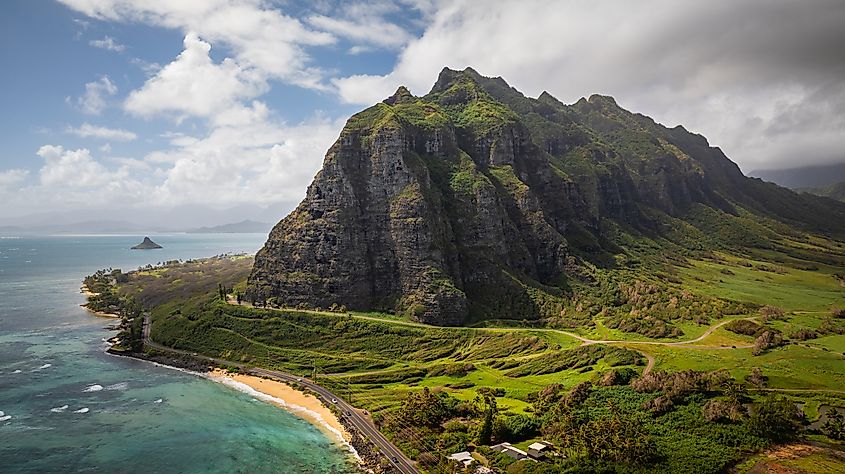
pixel 650 360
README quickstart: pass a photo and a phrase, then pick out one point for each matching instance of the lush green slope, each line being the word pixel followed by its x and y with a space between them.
pixel 532 377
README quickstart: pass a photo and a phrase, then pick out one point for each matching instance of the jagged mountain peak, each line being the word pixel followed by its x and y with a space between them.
pixel 475 201
pixel 401 96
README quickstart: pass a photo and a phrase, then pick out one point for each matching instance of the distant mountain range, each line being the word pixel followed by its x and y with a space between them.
pixel 242 227
pixel 124 227
pixel 804 177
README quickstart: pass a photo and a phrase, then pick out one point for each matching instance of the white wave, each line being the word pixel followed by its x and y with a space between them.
pixel 45 366
pixel 296 409
pixel 59 409
pixel 264 397
pixel 17 371
pixel 93 388
pixel 82 410
pixel 2 413
pixel 118 386
pixel 4 418
pixel 158 401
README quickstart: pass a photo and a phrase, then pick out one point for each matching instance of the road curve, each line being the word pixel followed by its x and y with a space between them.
pixel 396 458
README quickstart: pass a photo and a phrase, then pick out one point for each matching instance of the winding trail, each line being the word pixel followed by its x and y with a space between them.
pixel 585 341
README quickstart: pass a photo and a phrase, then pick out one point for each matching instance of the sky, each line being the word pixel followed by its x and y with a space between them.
pixel 201 112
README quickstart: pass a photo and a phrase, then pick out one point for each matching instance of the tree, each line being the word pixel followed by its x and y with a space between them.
pixel 618 437
pixel 487 405
pixel 776 418
pixel 834 426
pixel 769 312
pixel 757 378
pixel 765 341
pixel 579 393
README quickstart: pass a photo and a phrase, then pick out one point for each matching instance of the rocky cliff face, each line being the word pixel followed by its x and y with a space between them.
pixel 475 201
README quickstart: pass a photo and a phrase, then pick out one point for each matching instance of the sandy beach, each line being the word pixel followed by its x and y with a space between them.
pixel 88 294
pixel 301 404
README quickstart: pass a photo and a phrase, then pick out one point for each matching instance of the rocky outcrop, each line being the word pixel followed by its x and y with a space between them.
pixel 147 244
pixel 475 201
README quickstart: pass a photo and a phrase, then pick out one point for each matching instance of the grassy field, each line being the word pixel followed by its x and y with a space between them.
pixel 766 283
pixel 381 361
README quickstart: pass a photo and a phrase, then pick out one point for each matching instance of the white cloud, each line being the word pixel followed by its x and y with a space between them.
pixel 12 177
pixel 107 43
pixel 260 35
pixel 94 100
pixel 255 160
pixel 86 130
pixel 369 30
pixel 194 85
pixel 719 68
pixel 71 168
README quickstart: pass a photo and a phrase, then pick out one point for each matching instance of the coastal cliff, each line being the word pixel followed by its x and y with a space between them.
pixel 476 202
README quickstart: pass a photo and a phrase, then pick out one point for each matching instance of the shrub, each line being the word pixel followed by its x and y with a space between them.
pixel 765 341
pixel 776 418
pixel 744 327
pixel 769 312
pixel 834 425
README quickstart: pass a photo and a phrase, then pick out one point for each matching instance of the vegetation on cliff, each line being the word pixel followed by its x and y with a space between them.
pixel 475 202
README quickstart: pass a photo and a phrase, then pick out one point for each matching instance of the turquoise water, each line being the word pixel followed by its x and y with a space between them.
pixel 69 407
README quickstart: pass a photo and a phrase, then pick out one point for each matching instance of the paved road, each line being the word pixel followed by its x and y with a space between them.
pixel 362 424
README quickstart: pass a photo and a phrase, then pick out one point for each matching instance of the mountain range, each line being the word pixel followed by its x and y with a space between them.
pixel 804 177
pixel 475 202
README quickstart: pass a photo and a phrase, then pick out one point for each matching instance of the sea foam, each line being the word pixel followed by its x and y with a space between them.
pixel 82 410
pixel 302 411
pixel 118 386
pixel 6 417
pixel 59 409
pixel 93 388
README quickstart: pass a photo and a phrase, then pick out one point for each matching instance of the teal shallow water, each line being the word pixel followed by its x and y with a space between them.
pixel 73 408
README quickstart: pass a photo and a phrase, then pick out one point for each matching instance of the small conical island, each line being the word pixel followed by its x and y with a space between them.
pixel 146 245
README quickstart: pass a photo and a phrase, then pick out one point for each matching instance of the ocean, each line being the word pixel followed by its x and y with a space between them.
pixel 67 406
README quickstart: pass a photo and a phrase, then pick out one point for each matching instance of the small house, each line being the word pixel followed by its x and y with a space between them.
pixel 509 450
pixel 538 450
pixel 464 457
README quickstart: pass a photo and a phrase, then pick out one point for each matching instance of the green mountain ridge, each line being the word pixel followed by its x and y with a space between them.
pixel 834 191
pixel 476 202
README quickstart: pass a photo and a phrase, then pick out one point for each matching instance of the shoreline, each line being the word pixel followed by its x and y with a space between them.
pixel 88 294
pixel 299 403
pixel 305 405
pixel 334 429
